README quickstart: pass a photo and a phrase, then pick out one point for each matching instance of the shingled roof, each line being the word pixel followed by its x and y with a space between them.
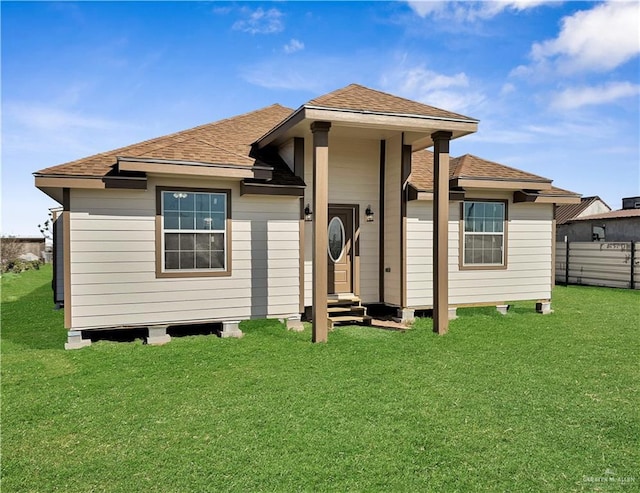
pixel 359 98
pixel 619 214
pixel 229 141
pixel 223 142
pixel 467 166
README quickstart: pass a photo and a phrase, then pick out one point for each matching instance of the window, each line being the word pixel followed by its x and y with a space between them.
pixel 336 236
pixel 598 233
pixel 483 231
pixel 193 232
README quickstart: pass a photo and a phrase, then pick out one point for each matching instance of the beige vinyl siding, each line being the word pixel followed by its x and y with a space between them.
pixel 392 221
pixel 529 256
pixel 113 261
pixel 354 176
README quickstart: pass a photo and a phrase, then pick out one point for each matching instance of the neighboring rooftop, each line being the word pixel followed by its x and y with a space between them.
pixel 567 212
pixel 622 213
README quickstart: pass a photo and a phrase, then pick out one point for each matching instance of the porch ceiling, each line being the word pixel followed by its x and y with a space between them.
pixel 367 125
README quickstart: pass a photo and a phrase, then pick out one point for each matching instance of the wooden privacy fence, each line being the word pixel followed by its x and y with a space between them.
pixel 611 264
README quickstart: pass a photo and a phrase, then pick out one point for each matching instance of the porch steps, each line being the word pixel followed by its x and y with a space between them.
pixel 346 309
pixel 343 309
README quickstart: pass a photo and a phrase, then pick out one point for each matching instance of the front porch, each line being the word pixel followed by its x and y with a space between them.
pixel 359 157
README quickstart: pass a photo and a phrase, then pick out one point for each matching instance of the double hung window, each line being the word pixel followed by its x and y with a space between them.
pixel 483 234
pixel 194 231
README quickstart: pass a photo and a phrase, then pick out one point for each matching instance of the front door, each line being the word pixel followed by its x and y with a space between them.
pixel 340 249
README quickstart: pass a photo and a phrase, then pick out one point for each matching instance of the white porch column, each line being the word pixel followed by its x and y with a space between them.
pixel 441 231
pixel 320 216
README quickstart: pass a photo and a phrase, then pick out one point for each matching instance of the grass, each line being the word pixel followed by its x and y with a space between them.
pixel 522 403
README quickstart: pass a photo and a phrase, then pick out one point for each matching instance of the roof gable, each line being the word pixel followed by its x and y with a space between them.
pixel 363 99
pixel 565 213
pixel 470 166
pixel 467 166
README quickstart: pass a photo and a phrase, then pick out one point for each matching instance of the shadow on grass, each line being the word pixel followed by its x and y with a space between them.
pixel 33 322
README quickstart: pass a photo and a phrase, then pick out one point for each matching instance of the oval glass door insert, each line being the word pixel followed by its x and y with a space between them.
pixel 336 239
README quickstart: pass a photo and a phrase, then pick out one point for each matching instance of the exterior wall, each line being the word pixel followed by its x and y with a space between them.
pixel 528 275
pixel 598 207
pixel 619 229
pixel 354 177
pixel 392 222
pixel 579 231
pixel 112 252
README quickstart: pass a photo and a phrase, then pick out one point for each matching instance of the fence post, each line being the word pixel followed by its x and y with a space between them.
pixel 566 262
pixel 632 284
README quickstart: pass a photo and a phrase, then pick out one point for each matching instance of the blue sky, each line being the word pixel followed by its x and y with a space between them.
pixel 555 85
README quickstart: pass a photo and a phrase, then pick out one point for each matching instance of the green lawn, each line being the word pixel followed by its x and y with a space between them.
pixel 519 403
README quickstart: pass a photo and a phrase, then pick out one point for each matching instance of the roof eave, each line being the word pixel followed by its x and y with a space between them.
pixel 538 197
pixel 500 183
pixel 369 119
pixel 193 168
pixel 53 185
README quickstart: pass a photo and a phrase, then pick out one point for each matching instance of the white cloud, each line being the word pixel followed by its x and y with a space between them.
pixel 42 117
pixel 260 21
pixel 469 10
pixel 444 91
pixel 426 8
pixel 293 46
pixel 515 129
pixel 599 39
pixel 280 73
pixel 48 129
pixel 507 88
pixel 577 97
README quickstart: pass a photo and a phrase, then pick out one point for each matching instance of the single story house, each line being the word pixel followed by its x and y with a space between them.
pixel 281 212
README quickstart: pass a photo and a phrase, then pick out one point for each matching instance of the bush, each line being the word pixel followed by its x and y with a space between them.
pixel 10 251
pixel 17 266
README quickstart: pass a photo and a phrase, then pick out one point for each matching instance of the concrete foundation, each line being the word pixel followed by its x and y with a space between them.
pixel 158 336
pixel 294 324
pixel 75 340
pixel 544 307
pixel 453 313
pixel 231 329
pixel 502 309
pixel 405 316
